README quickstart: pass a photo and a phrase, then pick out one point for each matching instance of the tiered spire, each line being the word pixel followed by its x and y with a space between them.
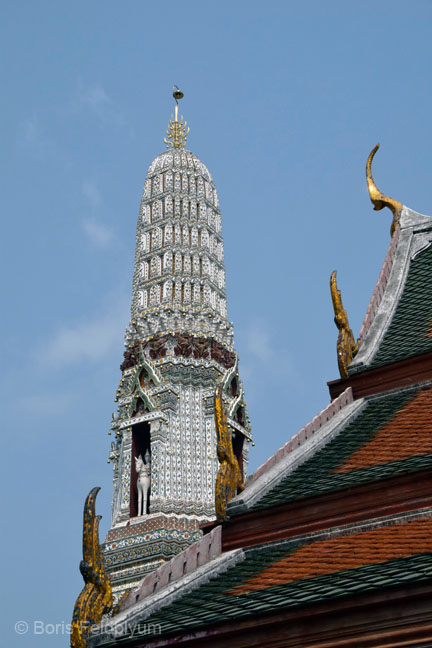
pixel 179 349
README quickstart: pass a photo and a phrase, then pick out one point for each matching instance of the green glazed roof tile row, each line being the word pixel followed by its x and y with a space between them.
pixel 212 604
pixel 407 333
pixel 316 476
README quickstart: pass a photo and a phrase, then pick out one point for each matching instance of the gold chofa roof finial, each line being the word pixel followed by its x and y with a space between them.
pixel 379 200
pixel 346 345
pixel 96 598
pixel 229 478
pixel 177 131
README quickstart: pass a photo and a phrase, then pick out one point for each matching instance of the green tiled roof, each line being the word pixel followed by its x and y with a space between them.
pixel 316 476
pixel 406 335
pixel 211 604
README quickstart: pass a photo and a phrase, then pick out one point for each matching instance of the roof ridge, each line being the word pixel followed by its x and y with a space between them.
pixel 196 555
pixel 412 236
pixel 299 454
pixel 304 433
pixel 381 284
pixel 129 617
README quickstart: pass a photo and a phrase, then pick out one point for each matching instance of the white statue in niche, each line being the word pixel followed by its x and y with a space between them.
pixel 143 482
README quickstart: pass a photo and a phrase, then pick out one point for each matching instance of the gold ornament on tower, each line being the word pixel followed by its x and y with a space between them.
pixel 177 131
pixel 229 477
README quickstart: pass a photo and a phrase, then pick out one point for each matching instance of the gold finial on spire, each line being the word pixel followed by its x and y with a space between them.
pixel 378 199
pixel 177 131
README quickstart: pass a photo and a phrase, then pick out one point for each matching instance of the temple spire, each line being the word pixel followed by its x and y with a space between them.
pixel 177 131
pixel 179 349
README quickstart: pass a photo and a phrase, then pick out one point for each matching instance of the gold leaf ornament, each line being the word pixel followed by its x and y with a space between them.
pixel 229 477
pixel 346 345
pixel 378 199
pixel 95 599
pixel 177 131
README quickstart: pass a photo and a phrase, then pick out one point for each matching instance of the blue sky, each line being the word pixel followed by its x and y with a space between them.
pixel 284 101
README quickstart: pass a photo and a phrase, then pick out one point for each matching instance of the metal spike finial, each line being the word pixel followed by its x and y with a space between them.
pixel 177 131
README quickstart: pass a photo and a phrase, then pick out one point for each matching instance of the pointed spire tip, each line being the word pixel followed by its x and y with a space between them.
pixel 177 131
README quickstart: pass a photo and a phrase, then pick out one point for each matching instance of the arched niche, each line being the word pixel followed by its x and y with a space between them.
pixel 140 447
pixel 237 443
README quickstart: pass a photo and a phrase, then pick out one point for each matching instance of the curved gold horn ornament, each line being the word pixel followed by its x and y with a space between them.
pixel 96 597
pixel 378 199
pixel 229 478
pixel 346 346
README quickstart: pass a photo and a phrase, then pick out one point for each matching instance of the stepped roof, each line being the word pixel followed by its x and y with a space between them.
pixel 359 559
pixel 369 440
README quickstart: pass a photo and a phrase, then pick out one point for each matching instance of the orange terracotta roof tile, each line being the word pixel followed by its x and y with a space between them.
pixel 346 552
pixel 407 434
